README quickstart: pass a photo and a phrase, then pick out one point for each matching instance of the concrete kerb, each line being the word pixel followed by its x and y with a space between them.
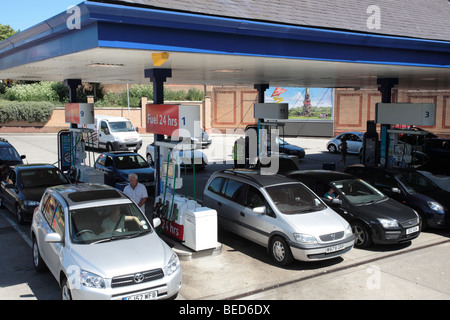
pixel 185 254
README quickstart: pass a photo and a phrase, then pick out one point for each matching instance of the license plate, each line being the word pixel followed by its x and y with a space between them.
pixel 412 230
pixel 335 248
pixel 131 148
pixel 150 295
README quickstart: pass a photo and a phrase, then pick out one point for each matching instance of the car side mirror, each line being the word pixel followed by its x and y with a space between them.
pixel 336 202
pixel 53 237
pixel 396 190
pixel 156 222
pixel 23 156
pixel 260 210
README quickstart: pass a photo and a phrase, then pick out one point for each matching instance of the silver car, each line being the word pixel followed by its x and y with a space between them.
pixel 278 213
pixel 98 245
pixel 354 142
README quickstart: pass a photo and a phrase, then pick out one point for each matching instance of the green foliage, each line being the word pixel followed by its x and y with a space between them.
pixel 315 113
pixel 25 111
pixel 39 91
pixel 138 91
pixel 57 92
pixel 6 31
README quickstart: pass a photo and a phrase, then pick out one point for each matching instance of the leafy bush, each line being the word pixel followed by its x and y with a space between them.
pixel 25 111
pixel 137 91
pixel 40 91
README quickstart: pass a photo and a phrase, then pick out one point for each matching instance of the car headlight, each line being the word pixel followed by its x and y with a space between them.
pixel 91 280
pixel 173 265
pixel 30 203
pixel 435 206
pixel 348 230
pixel 388 223
pixel 304 238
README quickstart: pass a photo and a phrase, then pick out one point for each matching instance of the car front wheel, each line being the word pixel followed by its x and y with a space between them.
pixel 38 264
pixel 280 251
pixel 65 290
pixel 19 215
pixel 362 236
pixel 149 159
pixel 332 148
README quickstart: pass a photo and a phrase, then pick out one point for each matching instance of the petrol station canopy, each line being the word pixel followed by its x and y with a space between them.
pixel 338 44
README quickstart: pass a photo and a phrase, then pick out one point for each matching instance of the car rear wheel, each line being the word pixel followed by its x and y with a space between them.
pixel 362 236
pixel 280 251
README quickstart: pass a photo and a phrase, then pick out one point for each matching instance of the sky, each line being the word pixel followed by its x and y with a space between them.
pixel 23 14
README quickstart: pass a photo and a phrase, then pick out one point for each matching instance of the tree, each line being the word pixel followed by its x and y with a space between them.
pixel 6 31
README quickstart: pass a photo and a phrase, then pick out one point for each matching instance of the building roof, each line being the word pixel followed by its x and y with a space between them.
pixel 234 43
pixel 408 18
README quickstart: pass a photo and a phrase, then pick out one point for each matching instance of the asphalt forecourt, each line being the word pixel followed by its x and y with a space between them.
pixel 243 270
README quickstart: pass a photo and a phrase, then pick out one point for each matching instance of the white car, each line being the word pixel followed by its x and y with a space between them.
pixel 354 142
pixel 100 246
pixel 200 159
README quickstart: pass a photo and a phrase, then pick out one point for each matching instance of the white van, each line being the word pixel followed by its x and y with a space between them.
pixel 113 134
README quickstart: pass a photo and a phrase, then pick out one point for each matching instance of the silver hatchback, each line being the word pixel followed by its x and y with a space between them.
pixel 278 213
pixel 98 245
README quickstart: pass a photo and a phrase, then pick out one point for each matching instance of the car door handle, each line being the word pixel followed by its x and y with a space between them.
pixel 219 203
pixel 242 214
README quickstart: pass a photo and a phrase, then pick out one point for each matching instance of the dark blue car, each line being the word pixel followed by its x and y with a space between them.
pixel 411 188
pixel 118 165
pixel 290 149
pixel 23 185
pixel 8 154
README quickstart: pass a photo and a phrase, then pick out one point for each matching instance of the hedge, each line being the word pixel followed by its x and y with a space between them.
pixel 25 111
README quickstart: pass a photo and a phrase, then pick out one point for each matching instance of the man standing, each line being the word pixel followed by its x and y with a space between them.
pixel 136 191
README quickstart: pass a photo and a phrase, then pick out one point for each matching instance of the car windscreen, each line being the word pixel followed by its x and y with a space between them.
pixel 130 162
pixel 121 126
pixel 8 153
pixel 294 199
pixel 416 182
pixel 357 191
pixel 45 177
pixel 107 223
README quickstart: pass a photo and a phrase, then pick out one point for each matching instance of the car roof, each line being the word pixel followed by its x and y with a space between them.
pixel 324 175
pixel 390 169
pixel 121 153
pixel 87 193
pixel 354 132
pixel 34 166
pixel 108 118
pixel 262 180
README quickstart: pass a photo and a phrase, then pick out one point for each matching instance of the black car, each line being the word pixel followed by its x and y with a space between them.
pixel 117 165
pixel 411 188
pixel 374 217
pixel 8 154
pixel 23 186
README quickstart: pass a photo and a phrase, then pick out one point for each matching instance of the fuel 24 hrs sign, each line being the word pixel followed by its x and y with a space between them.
pixel 173 120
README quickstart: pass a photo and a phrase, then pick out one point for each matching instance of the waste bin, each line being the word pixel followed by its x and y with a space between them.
pixel 200 229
